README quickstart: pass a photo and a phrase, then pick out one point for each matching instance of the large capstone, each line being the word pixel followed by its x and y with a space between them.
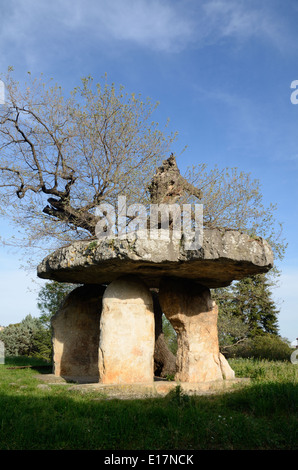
pixel 223 257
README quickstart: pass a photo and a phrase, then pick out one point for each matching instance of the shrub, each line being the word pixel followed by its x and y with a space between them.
pixel 265 346
pixel 28 338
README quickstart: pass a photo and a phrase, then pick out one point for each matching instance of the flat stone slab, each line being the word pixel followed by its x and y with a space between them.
pixel 224 256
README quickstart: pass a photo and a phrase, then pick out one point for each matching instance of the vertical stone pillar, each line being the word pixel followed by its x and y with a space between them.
pixel 193 315
pixel 76 334
pixel 126 345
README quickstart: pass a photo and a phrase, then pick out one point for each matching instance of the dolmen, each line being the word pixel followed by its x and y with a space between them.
pixel 104 330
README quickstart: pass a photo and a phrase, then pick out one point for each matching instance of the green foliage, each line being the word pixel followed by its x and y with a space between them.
pixel 50 297
pixel 248 320
pixel 178 397
pixel 231 328
pixel 252 302
pixel 92 245
pixel 266 346
pixel 260 414
pixel 33 336
pixel 246 310
pixel 169 334
pixel 28 338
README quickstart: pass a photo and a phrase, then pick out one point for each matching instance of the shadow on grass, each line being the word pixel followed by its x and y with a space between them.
pixel 38 364
pixel 47 369
pixel 260 416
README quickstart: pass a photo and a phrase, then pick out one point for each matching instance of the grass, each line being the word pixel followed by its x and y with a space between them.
pixel 262 415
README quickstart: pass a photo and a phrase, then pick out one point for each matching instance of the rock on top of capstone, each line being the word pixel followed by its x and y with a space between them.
pixel 224 256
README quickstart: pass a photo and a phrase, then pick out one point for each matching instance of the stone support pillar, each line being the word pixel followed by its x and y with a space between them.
pixel 193 314
pixel 76 334
pixel 126 345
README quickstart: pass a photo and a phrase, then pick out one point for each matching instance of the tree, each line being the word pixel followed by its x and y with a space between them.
pixel 50 297
pixel 232 330
pixel 265 346
pixel 28 338
pixel 33 336
pixel 60 157
pixel 246 310
pixel 254 305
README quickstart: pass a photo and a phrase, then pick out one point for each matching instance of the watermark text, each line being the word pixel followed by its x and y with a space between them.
pixel 2 353
pixel 160 222
pixel 294 94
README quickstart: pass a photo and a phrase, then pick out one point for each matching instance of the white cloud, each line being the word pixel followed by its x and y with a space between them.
pixel 243 20
pixel 155 24
pixel 33 30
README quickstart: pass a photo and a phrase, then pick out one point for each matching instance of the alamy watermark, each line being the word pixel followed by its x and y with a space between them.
pixel 294 94
pixel 2 353
pixel 294 355
pixel 162 222
pixel 2 92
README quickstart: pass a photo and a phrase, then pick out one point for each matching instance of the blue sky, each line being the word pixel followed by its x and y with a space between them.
pixel 221 70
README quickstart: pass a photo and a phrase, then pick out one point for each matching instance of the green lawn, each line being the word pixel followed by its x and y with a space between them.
pixel 261 415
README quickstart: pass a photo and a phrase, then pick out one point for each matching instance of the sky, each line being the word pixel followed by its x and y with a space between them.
pixel 222 72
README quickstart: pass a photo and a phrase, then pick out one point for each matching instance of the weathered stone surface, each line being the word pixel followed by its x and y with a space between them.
pixel 224 256
pixel 158 388
pixel 76 334
pixel 193 315
pixel 120 347
pixel 164 359
pixel 126 343
pixel 168 185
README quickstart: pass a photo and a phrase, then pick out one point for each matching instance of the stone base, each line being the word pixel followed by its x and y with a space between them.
pixel 158 388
